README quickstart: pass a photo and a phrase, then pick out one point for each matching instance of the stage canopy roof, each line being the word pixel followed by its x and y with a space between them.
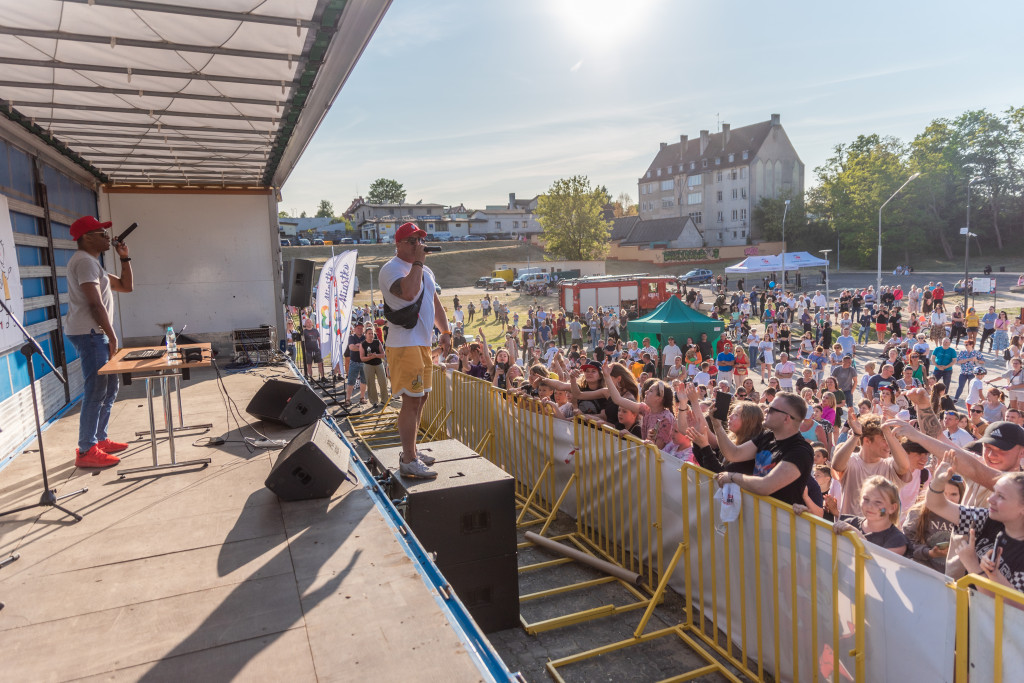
pixel 215 93
pixel 773 264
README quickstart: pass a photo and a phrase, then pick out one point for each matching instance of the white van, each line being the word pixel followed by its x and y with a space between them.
pixel 524 281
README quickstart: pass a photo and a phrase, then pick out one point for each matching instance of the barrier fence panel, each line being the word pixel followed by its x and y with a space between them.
pixel 773 593
pixel 618 518
pixel 989 624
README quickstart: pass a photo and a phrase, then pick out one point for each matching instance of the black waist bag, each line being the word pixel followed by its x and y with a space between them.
pixel 407 316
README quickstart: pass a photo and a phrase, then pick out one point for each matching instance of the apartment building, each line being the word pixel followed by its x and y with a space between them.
pixel 718 178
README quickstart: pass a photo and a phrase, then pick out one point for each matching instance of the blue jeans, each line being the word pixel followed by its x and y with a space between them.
pixel 964 378
pixel 98 391
pixel 945 376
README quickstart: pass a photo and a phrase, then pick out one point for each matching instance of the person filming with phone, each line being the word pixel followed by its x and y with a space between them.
pixel 90 329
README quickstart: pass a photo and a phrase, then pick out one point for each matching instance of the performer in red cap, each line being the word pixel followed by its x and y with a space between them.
pixel 91 331
pixel 412 308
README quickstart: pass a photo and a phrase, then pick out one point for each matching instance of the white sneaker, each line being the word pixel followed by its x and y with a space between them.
pixel 415 470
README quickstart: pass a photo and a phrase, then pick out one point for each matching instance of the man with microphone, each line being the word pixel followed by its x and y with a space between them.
pixel 413 309
pixel 91 331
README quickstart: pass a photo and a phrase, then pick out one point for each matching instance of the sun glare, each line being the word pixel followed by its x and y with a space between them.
pixel 600 20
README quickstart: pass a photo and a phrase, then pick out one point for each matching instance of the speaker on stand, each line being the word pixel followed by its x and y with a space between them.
pixel 298 282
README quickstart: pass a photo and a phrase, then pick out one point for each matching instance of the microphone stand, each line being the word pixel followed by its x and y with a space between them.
pixel 49 496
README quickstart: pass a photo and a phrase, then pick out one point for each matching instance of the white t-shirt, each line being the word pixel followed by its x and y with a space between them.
pixel 671 353
pixel 82 268
pixel 961 437
pixel 702 379
pixel 421 335
pixel 976 394
pixel 787 367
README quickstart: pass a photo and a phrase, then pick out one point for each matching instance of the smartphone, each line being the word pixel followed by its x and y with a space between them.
pixel 942 546
pixel 723 401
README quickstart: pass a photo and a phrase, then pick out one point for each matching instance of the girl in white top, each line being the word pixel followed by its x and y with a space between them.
pixel 1014 383
pixel 869 372
pixel 764 349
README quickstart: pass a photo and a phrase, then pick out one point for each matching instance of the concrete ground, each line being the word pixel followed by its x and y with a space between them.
pixel 204 574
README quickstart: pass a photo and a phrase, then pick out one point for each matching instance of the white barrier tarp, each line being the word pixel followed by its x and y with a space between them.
pixel 982 639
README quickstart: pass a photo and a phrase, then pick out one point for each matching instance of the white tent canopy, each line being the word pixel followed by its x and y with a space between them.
pixel 757 264
pixel 772 263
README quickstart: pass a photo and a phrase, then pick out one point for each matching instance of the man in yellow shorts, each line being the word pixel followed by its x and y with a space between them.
pixel 412 308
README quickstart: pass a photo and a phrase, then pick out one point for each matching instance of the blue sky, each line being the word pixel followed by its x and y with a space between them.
pixel 468 100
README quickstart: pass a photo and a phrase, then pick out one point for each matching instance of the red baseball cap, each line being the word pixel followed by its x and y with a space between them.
pixel 87 224
pixel 407 230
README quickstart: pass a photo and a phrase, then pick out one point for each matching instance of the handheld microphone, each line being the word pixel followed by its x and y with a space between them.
pixel 128 231
pixel 431 248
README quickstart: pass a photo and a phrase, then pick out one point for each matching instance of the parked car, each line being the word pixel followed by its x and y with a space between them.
pixel 303 242
pixel 318 243
pixel 285 243
pixel 697 275
pixel 346 240
pixel 475 238
pixel 496 283
pixel 483 282
pixel 525 281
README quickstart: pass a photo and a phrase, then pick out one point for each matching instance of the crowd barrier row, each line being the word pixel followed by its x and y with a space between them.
pixel 772 594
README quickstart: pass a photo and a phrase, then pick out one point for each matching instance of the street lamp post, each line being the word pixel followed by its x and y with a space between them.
pixel 371 269
pixel 967 239
pixel 826 252
pixel 878 283
pixel 785 210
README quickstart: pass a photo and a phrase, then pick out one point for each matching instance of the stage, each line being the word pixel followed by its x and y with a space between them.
pixel 204 574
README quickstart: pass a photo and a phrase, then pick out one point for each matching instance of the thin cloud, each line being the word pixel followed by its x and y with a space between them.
pixel 576 66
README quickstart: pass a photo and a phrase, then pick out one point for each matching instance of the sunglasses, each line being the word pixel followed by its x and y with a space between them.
pixel 974 410
pixel 773 409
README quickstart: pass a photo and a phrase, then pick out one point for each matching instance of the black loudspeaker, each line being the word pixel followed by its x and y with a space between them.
pixel 312 465
pixel 467 517
pixel 298 282
pixel 292 404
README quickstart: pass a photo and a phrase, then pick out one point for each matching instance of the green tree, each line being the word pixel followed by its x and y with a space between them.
pixel 302 215
pixel 570 215
pixel 326 209
pixel 386 191
pixel 283 214
pixel 766 217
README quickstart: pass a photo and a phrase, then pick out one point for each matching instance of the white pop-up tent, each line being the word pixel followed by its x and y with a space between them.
pixel 757 264
pixel 773 263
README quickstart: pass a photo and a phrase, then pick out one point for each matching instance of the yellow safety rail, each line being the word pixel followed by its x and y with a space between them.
pixel 701 632
pixel 617 481
pixel 379 429
pixel 975 587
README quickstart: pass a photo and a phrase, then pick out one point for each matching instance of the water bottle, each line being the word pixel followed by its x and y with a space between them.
pixel 172 343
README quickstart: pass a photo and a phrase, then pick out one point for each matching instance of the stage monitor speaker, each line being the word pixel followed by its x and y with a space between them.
pixel 292 404
pixel 312 465
pixel 489 588
pixel 298 282
pixel 468 512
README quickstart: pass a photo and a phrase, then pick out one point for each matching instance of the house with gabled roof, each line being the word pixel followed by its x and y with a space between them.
pixel 716 179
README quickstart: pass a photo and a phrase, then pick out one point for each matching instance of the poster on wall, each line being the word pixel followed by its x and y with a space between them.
pixel 10 283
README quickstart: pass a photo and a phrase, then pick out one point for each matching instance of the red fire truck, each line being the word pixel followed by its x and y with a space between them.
pixel 645 292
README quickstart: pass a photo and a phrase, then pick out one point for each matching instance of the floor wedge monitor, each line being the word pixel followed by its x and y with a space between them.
pixel 292 404
pixel 312 465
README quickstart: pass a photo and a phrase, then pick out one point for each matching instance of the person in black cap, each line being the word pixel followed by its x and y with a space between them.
pixel 1002 449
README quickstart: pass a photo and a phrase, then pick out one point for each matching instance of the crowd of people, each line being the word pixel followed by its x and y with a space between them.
pixel 845 409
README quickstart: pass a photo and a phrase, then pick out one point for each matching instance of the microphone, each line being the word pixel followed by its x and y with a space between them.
pixel 431 248
pixel 180 332
pixel 120 238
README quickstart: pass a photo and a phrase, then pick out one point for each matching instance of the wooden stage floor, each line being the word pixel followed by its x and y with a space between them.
pixel 205 575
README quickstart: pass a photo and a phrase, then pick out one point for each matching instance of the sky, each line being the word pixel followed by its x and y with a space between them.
pixel 468 100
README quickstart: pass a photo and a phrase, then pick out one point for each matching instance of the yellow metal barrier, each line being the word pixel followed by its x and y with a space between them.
pixel 724 553
pixel 975 588
pixel 617 482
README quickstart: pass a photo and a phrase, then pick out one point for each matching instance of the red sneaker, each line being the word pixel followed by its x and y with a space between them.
pixel 112 446
pixel 96 457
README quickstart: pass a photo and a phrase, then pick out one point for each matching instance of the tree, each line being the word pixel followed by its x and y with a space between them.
pixel 326 209
pixel 624 205
pixel 386 191
pixel 570 216
pixel 767 218
pixel 283 214
pixel 302 215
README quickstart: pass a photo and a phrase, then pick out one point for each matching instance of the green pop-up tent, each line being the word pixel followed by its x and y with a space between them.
pixel 675 319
